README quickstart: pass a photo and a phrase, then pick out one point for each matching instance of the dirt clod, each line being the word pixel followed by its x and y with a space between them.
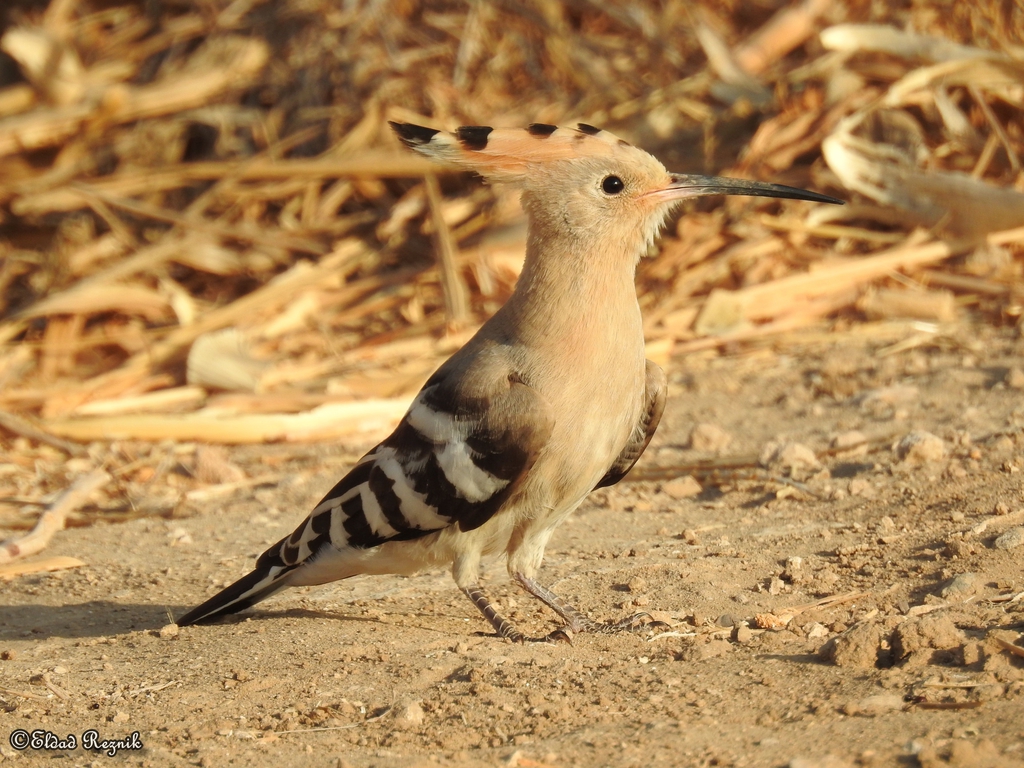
pixel 859 646
pixel 926 633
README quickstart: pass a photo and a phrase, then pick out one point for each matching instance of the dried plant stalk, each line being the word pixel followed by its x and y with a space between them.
pixel 52 520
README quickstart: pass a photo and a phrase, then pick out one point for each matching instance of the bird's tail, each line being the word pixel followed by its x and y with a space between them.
pixel 266 579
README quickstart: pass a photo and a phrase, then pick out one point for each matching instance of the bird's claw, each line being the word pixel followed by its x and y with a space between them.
pixel 638 621
pixel 560 635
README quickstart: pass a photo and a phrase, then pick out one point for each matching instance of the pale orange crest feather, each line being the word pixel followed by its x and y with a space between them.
pixel 508 154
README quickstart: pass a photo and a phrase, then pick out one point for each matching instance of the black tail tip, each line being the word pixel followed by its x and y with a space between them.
pixel 413 135
pixel 193 618
pixel 213 609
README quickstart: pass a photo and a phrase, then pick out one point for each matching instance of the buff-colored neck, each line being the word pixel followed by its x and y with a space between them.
pixel 570 290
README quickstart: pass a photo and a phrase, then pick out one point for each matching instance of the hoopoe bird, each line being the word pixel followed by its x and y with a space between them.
pixel 550 400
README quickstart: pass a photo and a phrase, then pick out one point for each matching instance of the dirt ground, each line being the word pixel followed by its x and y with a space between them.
pixel 912 663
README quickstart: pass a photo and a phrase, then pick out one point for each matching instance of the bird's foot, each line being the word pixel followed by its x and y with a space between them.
pixel 505 628
pixel 577 621
pixel 634 623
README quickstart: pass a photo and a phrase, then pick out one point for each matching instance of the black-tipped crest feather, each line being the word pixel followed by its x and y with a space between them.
pixel 474 136
pixel 413 135
pixel 542 130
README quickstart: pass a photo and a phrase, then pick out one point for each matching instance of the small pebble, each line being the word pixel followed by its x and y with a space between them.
pixel 744 634
pixel 920 447
pixel 682 487
pixel 960 587
pixel 637 584
pixel 179 537
pixel 1015 378
pixel 872 706
pixel 1012 539
pixel 862 487
pixel 816 631
pixel 409 714
pixel 168 631
pixel 791 456
pixel 709 438
pixel 691 537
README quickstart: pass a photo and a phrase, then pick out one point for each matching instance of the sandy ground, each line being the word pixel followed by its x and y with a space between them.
pixel 911 663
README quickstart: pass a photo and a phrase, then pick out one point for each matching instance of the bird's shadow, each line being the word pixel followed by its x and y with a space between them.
pixel 103 618
pixel 95 618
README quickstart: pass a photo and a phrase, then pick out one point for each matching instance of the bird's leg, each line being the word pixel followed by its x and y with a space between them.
pixel 575 621
pixel 502 626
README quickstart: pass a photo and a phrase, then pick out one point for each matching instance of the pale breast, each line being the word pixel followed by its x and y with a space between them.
pixel 597 398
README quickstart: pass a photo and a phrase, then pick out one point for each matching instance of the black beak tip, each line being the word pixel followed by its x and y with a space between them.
pixel 699 186
pixel 794 193
pixel 816 197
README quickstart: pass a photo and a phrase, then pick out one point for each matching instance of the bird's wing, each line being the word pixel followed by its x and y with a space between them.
pixel 457 455
pixel 654 395
pixel 462 449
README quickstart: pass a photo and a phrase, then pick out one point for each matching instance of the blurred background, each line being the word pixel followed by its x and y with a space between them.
pixel 209 235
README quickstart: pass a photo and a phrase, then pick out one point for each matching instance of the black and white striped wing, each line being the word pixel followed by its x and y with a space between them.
pixel 454 459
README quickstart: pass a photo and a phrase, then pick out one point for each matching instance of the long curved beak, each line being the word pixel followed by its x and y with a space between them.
pixel 684 186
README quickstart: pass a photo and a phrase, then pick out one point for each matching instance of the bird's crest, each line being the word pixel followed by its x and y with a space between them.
pixel 509 154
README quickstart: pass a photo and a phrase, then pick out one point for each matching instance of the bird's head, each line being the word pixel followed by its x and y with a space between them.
pixel 583 183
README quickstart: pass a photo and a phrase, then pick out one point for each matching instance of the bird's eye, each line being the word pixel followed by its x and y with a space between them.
pixel 612 185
